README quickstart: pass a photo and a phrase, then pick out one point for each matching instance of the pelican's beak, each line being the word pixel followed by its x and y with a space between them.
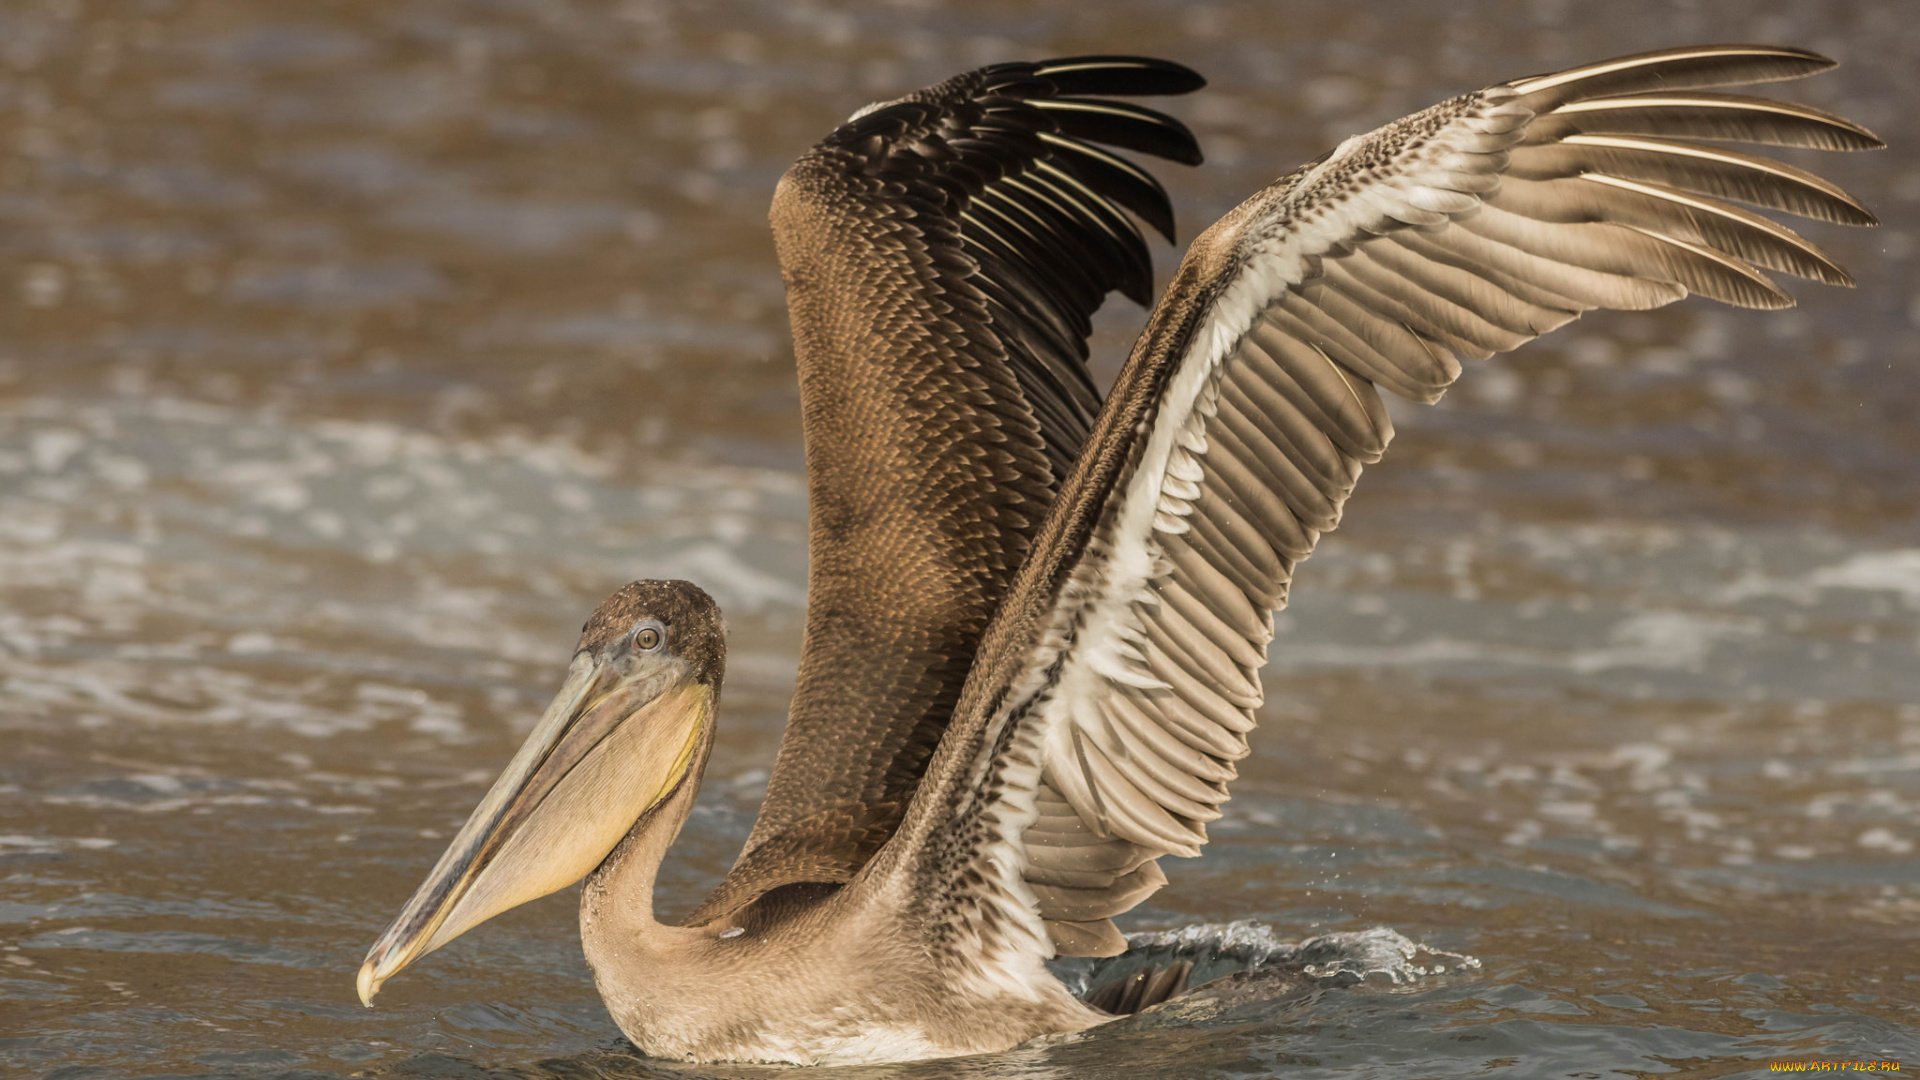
pixel 609 748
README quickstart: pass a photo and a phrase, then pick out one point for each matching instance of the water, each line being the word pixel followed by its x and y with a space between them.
pixel 352 352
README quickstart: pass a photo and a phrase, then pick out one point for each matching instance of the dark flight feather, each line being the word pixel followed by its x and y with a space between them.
pixel 944 254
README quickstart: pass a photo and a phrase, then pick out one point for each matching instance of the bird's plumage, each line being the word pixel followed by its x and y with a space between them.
pixel 1037 618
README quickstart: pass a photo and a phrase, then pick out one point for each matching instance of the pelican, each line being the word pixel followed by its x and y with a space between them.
pixel 1036 616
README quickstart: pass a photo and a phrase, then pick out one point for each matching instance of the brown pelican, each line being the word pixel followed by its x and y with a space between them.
pixel 1036 619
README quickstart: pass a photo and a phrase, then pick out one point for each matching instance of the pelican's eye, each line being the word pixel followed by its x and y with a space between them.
pixel 649 636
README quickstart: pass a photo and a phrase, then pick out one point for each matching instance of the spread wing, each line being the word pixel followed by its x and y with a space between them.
pixel 942 256
pixel 1117 685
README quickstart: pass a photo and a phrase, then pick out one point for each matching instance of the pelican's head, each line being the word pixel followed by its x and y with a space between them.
pixel 623 733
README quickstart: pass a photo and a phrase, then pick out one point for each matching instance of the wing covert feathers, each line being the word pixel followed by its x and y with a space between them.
pixel 942 255
pixel 1115 689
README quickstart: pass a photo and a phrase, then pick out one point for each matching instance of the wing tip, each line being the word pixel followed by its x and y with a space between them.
pixel 1869 141
pixel 1119 75
pixel 1794 63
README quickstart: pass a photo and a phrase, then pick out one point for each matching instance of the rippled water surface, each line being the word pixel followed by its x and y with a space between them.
pixel 351 351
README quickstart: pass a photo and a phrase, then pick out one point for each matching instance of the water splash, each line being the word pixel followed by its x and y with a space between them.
pixel 1217 950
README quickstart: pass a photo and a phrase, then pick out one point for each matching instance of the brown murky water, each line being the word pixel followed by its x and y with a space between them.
pixel 351 351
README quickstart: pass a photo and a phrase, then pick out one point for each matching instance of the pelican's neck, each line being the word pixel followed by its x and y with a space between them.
pixel 619 892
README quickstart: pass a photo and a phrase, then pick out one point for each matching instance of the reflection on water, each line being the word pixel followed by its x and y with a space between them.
pixel 354 351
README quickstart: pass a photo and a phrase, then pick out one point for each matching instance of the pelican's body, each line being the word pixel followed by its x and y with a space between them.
pixel 835 978
pixel 1037 618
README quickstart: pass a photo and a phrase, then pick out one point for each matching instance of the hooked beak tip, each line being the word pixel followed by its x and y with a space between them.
pixel 368 984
